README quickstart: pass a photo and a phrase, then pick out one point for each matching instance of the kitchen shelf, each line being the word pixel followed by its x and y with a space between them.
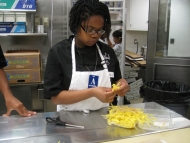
pixel 115 8
pixel 116 22
pixel 23 34
pixel 115 12
pixel 17 10
pixel 27 84
pixel 111 0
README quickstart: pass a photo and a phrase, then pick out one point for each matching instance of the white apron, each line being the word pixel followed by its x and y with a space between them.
pixel 80 81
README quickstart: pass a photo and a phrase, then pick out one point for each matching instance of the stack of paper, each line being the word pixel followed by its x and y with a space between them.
pixel 134 59
pixel 134 89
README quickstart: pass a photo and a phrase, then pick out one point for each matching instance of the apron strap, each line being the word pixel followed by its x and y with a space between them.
pixel 103 62
pixel 73 56
pixel 102 58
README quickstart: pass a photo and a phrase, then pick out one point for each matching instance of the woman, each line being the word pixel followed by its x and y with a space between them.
pixel 80 70
pixel 117 47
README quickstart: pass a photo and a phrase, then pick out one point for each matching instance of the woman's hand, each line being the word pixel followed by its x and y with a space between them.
pixel 123 87
pixel 13 103
pixel 105 95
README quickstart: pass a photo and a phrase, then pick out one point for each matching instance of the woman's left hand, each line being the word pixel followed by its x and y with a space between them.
pixel 123 87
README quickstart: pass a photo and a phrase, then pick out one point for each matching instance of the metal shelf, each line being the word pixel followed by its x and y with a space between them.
pixel 115 8
pixel 111 0
pixel 27 84
pixel 115 12
pixel 116 22
pixel 23 34
pixel 17 10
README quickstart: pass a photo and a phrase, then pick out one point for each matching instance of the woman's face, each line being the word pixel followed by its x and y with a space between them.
pixel 83 38
pixel 117 40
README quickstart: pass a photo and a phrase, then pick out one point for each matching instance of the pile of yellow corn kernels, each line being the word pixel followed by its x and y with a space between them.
pixel 128 117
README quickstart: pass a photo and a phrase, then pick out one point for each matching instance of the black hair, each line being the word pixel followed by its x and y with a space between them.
pixel 82 10
pixel 117 33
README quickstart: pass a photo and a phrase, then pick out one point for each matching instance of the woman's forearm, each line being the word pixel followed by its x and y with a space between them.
pixel 4 85
pixel 70 96
pixel 109 42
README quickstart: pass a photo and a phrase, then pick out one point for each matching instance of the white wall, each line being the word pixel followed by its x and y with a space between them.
pixel 179 28
pixel 141 37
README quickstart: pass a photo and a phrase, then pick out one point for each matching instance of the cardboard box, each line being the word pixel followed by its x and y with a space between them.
pixel 18 4
pixel 22 59
pixel 23 75
pixel 12 27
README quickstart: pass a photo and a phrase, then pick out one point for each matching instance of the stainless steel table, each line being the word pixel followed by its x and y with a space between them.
pixel 16 129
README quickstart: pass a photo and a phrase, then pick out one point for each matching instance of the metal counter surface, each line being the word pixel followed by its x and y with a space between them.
pixel 16 129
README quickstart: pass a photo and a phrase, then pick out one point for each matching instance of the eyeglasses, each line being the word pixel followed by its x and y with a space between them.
pixel 92 32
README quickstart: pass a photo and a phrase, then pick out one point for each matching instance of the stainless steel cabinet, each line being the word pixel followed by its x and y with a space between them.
pixel 168 56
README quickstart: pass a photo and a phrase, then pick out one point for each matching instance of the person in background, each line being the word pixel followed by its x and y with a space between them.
pixel 80 70
pixel 117 47
pixel 12 103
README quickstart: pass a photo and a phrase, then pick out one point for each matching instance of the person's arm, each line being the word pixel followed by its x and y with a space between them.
pixel 12 103
pixel 109 42
pixel 105 95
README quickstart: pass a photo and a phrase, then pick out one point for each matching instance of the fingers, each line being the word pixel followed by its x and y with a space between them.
pixel 124 88
pixel 110 97
pixel 24 112
pixel 105 95
pixel 32 112
pixel 122 92
pixel 13 103
pixel 7 114
pixel 21 110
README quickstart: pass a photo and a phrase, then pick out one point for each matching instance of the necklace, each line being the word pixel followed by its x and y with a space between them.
pixel 83 60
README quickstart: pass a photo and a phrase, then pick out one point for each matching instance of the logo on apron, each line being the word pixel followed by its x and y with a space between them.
pixel 107 57
pixel 93 81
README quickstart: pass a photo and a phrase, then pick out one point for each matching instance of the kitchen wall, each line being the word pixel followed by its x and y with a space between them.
pixel 141 37
pixel 179 29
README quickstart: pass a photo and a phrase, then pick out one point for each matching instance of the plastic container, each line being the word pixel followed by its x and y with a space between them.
pixel 163 119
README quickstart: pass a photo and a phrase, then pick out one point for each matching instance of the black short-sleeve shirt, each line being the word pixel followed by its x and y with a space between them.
pixel 58 71
pixel 2 59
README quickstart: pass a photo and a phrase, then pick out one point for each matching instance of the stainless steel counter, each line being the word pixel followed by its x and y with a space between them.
pixel 16 129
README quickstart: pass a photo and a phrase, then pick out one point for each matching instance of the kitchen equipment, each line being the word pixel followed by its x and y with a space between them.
pixel 162 119
pixel 40 28
pixel 57 121
pixel 144 51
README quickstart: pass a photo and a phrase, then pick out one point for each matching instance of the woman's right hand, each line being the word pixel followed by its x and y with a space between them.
pixel 104 94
